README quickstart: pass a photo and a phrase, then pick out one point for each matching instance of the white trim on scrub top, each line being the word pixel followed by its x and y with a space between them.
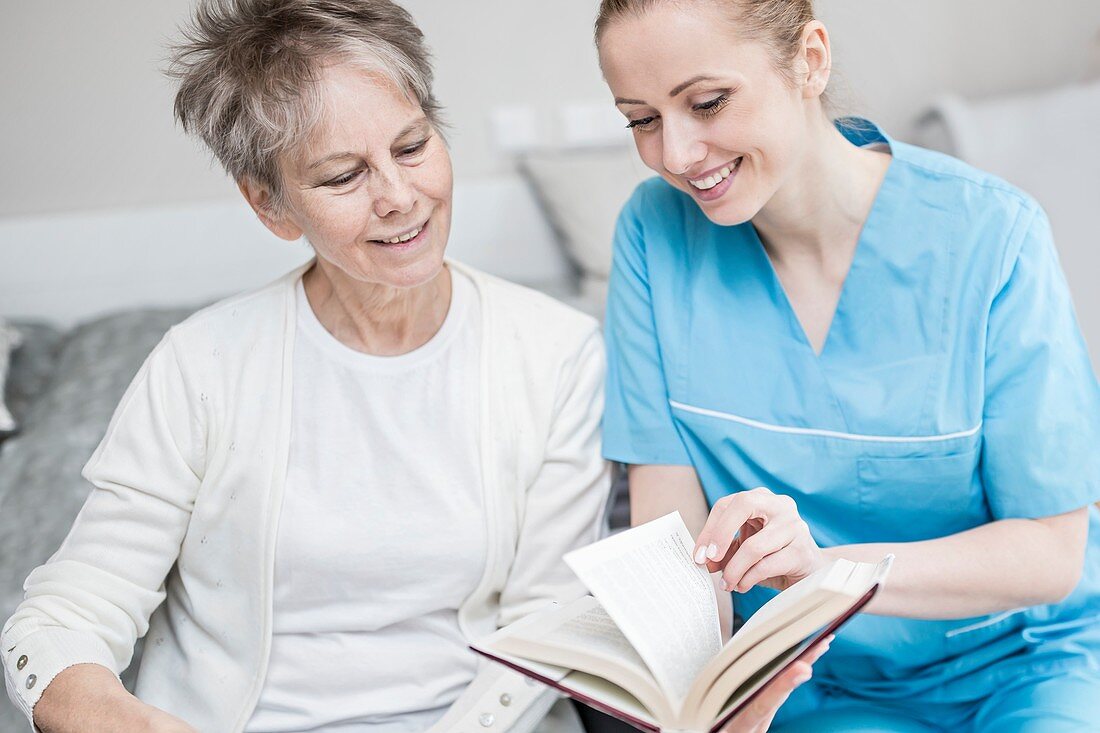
pixel 824 433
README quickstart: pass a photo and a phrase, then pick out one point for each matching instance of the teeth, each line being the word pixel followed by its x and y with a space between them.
pixel 713 180
pixel 403 238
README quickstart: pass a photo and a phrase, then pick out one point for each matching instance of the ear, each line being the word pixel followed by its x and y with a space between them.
pixel 815 61
pixel 259 198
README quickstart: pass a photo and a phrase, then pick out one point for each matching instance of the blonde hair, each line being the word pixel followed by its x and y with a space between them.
pixel 247 71
pixel 778 24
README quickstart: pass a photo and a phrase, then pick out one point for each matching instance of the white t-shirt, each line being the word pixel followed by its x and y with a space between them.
pixel 382 534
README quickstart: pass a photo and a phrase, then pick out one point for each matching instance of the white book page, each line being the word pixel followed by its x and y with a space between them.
pixel 832 577
pixel 586 627
pixel 610 694
pixel 841 576
pixel 661 600
pixel 491 644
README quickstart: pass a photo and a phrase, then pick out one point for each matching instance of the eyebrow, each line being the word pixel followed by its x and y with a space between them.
pixel 675 90
pixel 411 127
pixel 329 159
pixel 684 85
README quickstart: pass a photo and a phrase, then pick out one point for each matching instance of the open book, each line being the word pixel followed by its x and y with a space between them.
pixel 647 648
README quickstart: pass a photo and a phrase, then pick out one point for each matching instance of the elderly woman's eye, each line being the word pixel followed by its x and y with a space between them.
pixel 343 180
pixel 414 149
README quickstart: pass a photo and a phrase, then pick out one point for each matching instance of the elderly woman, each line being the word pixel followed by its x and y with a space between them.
pixel 313 495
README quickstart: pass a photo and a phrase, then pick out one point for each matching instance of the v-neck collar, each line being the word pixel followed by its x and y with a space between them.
pixel 861 133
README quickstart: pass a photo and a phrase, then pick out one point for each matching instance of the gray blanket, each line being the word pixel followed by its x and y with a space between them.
pixel 62 390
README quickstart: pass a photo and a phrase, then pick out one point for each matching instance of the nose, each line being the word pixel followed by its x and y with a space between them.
pixel 393 192
pixel 681 149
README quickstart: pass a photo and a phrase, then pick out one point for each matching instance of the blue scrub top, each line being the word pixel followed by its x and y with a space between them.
pixel 953 389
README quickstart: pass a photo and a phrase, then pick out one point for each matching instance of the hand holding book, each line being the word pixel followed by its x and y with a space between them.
pixel 757 538
pixel 647 647
pixel 758 715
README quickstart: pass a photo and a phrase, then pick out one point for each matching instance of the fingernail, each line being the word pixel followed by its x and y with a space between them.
pixel 723 585
pixel 804 677
pixel 712 551
pixel 700 555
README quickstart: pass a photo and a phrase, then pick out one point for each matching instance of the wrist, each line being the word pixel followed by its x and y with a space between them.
pixel 818 561
pixel 86 698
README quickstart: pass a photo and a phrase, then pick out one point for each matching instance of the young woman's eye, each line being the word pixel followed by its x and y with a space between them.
pixel 706 109
pixel 644 123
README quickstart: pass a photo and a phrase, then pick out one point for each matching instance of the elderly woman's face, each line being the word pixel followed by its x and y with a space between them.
pixel 371 191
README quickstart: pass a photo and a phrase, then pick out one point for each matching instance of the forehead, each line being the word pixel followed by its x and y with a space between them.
pixel 671 42
pixel 360 108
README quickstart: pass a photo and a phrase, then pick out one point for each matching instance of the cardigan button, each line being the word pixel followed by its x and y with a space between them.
pixel 486 719
pixel 22 662
pixel 506 699
pixel 31 680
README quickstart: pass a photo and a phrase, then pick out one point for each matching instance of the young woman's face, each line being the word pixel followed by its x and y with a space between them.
pixel 710 112
pixel 372 189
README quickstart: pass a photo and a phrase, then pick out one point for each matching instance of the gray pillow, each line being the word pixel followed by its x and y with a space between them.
pixel 10 339
pixel 31 365
pixel 583 192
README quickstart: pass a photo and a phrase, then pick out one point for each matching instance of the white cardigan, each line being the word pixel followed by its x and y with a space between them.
pixel 177 540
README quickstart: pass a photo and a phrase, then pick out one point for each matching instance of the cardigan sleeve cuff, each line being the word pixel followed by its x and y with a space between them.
pixel 32 658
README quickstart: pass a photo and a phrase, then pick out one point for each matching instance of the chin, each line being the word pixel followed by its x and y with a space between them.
pixel 731 209
pixel 412 274
pixel 399 272
pixel 730 213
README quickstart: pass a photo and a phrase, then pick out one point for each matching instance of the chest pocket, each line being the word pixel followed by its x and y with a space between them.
pixel 910 498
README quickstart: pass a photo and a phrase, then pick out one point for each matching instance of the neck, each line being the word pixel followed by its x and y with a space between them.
pixel 377 319
pixel 818 211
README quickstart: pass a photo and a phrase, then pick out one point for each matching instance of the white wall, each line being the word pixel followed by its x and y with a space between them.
pixel 86 123
pixel 86 117
pixel 895 56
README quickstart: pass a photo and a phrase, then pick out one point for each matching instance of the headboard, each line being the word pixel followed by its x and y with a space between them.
pixel 68 267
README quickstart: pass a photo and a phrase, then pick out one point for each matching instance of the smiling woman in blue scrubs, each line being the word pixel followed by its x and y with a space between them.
pixel 827 343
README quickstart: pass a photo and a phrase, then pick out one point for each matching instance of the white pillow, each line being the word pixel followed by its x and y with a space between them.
pixel 9 339
pixel 583 192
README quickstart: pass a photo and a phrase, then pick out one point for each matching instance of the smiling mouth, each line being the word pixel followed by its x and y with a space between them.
pixel 714 179
pixel 403 236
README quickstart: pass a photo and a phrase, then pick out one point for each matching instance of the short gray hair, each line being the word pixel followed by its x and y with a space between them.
pixel 247 71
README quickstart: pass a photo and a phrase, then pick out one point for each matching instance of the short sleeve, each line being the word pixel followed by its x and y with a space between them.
pixel 638 426
pixel 1041 422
